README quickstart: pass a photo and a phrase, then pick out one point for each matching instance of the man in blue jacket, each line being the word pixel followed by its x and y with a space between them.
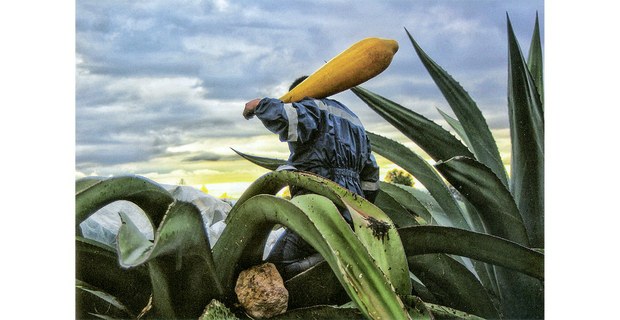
pixel 325 138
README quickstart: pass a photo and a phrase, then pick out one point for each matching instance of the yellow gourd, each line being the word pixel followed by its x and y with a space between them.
pixel 357 64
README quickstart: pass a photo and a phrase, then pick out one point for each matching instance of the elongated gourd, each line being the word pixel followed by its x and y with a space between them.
pixel 357 64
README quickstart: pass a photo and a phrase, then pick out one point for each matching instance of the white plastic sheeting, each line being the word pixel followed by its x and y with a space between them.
pixel 104 224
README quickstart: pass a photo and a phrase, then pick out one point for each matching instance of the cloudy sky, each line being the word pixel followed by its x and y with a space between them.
pixel 160 86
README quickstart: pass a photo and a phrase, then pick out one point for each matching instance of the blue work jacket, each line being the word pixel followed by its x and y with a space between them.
pixel 326 138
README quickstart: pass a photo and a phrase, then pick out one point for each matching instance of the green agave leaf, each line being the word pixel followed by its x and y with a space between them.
pixel 521 295
pixel 527 139
pixel 457 126
pixel 317 221
pixel 267 163
pixel 488 195
pixel 86 182
pixel 315 286
pixel 535 61
pixel 407 200
pixel 384 201
pixel 437 312
pixel 447 313
pixel 97 265
pixel 402 216
pixel 421 170
pixel 474 125
pixel 93 194
pixel 388 254
pixel 163 296
pixel 435 140
pixel 92 300
pixel 485 271
pixel 180 264
pixel 321 312
pixel 452 284
pixel 491 249
pixel 438 216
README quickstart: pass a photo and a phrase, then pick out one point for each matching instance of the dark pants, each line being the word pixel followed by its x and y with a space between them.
pixel 292 255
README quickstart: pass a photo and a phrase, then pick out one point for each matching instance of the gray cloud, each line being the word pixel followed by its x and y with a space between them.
pixel 153 76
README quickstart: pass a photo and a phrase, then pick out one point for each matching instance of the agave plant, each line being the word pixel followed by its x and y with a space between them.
pixel 412 254
pixel 488 201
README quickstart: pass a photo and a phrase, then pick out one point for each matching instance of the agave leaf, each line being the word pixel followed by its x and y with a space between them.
pixel 446 313
pixel 180 263
pixel 474 125
pixel 435 311
pixel 535 61
pixel 452 284
pixel 407 200
pixel 163 297
pixel 86 182
pixel 400 213
pixel 488 195
pixel 521 295
pixel 318 222
pixel 439 143
pixel 485 271
pixel 527 139
pixel 438 216
pixel 91 299
pixel 320 312
pixel 315 286
pixel 490 249
pixel 388 254
pixel 421 170
pixel 267 163
pixel 93 194
pixel 457 126
pixel 97 265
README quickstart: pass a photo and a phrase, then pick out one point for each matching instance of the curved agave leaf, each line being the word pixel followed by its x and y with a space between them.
pixel 457 126
pixel 402 216
pixel 494 250
pixel 315 286
pixel 485 271
pixel 521 295
pixel 384 200
pixel 388 253
pixel 535 61
pixel 93 194
pixel 267 163
pixel 421 170
pixel 435 140
pixel 97 265
pixel 446 313
pixel 318 222
pixel 92 301
pixel 436 312
pixel 321 312
pixel 527 139
pixel 86 182
pixel 180 264
pixel 407 201
pixel 488 195
pixel 452 284
pixel 474 125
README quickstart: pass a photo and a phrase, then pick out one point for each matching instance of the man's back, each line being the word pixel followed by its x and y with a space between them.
pixel 325 138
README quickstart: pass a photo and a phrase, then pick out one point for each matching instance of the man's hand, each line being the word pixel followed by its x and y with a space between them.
pixel 248 111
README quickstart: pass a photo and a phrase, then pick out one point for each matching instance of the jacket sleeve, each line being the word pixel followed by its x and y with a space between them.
pixel 295 122
pixel 369 177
